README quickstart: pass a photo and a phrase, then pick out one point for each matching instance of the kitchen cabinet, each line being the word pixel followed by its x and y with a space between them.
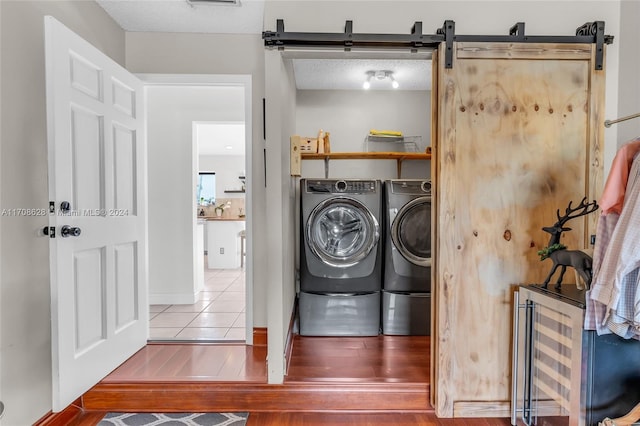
pixel 223 242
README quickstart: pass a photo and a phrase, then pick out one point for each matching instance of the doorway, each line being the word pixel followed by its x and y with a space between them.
pixel 184 288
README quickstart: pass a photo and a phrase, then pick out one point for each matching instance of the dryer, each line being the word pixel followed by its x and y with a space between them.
pixel 340 257
pixel 406 298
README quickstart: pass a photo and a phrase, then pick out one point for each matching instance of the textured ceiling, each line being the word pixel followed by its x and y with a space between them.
pixel 181 16
pixel 338 71
pixel 349 74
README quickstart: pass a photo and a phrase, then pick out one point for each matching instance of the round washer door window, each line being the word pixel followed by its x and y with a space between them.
pixel 411 231
pixel 341 231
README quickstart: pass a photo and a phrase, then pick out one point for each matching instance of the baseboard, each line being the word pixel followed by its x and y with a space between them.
pixel 482 409
pixel 64 417
pixel 172 298
pixel 259 336
pixel 288 347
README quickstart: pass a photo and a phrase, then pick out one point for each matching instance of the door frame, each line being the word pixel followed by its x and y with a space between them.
pixel 219 80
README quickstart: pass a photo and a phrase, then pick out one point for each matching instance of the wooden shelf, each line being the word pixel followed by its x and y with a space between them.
pixel 398 156
pixel 368 156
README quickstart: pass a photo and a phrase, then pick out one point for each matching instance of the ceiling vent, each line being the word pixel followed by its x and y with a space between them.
pixel 215 2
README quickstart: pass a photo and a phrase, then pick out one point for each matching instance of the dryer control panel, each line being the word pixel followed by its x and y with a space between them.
pixel 341 186
pixel 411 186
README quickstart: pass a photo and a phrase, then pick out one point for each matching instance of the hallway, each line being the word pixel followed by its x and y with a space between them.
pixel 218 315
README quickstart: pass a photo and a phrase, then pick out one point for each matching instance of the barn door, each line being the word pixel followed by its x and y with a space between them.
pixel 97 229
pixel 516 140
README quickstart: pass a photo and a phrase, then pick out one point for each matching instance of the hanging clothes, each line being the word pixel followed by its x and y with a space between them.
pixel 613 302
pixel 614 189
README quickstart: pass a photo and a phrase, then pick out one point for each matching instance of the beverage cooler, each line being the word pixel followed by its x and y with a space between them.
pixel 563 374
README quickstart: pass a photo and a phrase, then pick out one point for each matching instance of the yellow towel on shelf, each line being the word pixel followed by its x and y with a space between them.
pixel 374 132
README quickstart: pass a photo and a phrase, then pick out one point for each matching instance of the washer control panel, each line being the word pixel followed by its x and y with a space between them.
pixel 341 186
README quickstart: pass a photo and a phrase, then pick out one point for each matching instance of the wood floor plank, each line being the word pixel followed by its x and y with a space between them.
pixel 146 362
pixel 364 419
pixel 198 362
pixel 374 359
pixel 205 361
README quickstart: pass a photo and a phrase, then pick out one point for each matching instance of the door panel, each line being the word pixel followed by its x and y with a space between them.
pixel 124 159
pixel 126 284
pixel 96 164
pixel 87 171
pixel 85 77
pixel 123 98
pixel 516 141
pixel 89 302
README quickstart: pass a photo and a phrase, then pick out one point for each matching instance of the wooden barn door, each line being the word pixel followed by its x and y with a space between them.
pixel 519 135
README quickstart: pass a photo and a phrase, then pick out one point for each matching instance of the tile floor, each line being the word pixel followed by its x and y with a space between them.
pixel 218 315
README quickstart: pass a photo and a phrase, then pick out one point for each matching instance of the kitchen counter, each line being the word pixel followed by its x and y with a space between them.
pixel 224 241
pixel 216 218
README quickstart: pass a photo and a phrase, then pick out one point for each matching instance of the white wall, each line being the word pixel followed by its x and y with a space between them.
pixel 349 115
pixel 629 83
pixel 228 169
pixel 172 53
pixel 280 209
pixel 171 111
pixel 25 330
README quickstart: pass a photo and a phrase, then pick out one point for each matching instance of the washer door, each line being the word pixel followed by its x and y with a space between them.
pixel 411 231
pixel 341 231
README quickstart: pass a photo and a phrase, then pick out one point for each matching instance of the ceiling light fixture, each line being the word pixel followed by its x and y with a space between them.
pixel 380 76
pixel 367 83
pixel 394 83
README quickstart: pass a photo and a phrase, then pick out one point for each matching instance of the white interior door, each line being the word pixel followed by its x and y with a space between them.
pixel 98 218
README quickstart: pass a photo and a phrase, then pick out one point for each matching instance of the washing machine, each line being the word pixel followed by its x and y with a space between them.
pixel 406 296
pixel 340 257
pixel 340 230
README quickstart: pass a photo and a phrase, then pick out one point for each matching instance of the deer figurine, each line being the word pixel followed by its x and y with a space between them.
pixel 559 254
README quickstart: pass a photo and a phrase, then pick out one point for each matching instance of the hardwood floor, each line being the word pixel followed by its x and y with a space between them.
pixel 381 380
pixel 366 419
pixel 380 359
pixel 162 362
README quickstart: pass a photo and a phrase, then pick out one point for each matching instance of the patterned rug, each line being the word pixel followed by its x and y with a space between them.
pixel 174 419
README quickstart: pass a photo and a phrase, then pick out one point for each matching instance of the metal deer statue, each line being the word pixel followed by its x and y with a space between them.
pixel 559 254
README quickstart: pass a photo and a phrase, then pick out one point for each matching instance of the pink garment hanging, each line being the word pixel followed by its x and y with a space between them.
pixel 614 189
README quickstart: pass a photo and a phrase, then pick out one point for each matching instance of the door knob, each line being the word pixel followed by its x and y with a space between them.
pixel 70 231
pixel 65 207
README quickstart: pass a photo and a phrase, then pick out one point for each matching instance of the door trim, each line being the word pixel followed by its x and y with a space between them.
pixel 220 80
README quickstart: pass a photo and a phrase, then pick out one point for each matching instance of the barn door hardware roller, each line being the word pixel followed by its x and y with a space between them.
pixel 591 32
